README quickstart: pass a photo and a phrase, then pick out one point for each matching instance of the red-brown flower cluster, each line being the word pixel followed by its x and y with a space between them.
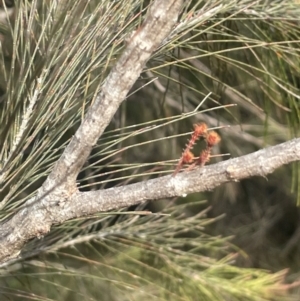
pixel 187 157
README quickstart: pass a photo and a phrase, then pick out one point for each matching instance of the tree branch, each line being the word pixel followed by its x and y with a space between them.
pixel 37 217
pixel 81 204
pixel 161 17
pixel 260 163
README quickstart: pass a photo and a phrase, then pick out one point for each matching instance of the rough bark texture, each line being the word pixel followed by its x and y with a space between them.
pixel 59 200
pixel 59 189
pixel 35 219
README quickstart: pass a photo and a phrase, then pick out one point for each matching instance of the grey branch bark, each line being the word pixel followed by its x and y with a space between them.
pixel 60 186
pixel 59 200
pixel 81 204
pixel 161 17
pixel 260 163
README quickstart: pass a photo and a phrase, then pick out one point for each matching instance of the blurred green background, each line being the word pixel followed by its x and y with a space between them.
pixel 231 64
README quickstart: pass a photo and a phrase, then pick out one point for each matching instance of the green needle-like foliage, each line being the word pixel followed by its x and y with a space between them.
pixel 228 63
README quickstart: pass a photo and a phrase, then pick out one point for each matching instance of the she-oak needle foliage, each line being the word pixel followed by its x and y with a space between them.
pixel 55 56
